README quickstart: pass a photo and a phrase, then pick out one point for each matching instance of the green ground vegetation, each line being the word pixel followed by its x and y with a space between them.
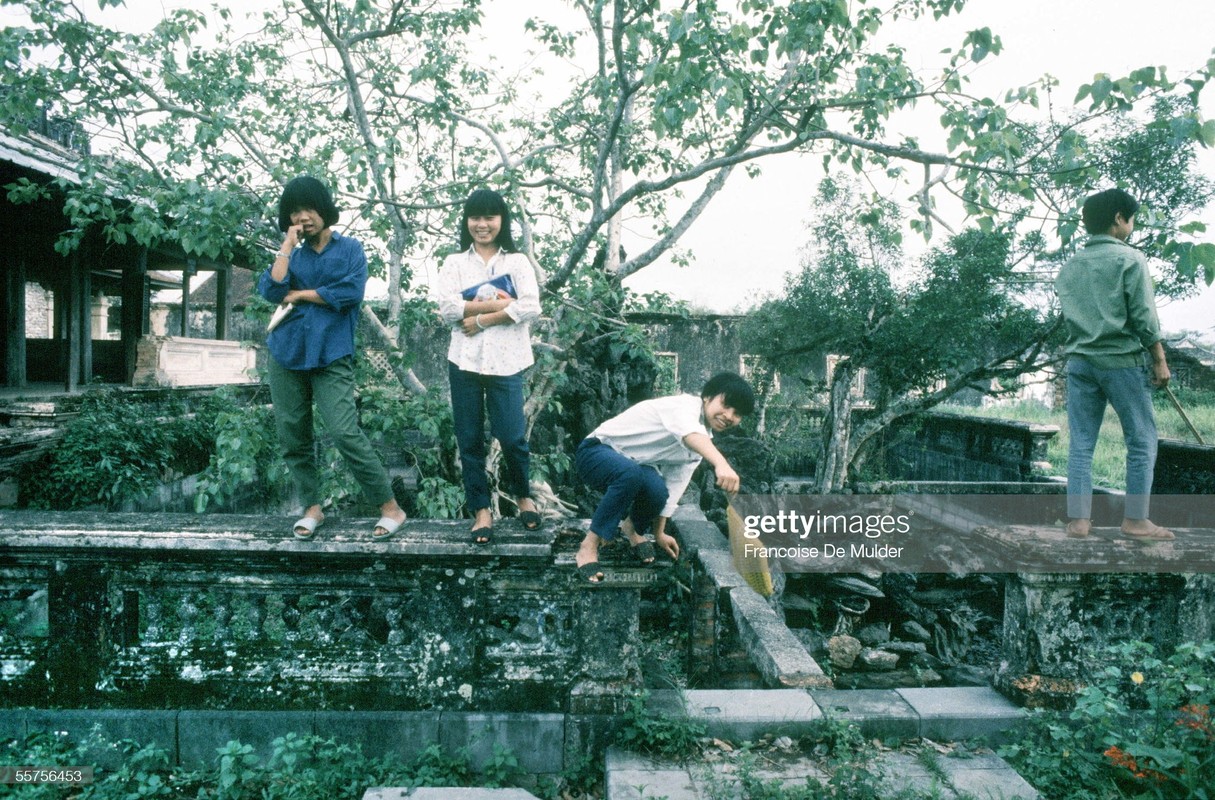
pixel 1109 459
pixel 1142 728
pixel 299 767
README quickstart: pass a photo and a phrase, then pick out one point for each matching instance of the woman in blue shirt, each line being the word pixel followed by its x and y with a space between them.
pixel 321 274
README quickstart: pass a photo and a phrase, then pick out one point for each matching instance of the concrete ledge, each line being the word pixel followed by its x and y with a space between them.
pixel 778 655
pixel 536 740
pixel 111 725
pixel 879 713
pixel 962 712
pixel 747 714
pixel 399 734
pixel 695 529
pixel 719 567
pixel 781 659
pixel 201 734
pixel 12 723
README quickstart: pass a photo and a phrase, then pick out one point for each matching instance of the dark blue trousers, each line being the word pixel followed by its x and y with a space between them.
pixel 473 396
pixel 630 489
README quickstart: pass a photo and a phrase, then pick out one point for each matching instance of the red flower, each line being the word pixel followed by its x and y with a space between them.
pixel 1197 717
pixel 1120 758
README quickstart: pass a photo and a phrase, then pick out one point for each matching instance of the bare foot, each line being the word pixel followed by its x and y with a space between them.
pixel 1079 528
pixel 1145 530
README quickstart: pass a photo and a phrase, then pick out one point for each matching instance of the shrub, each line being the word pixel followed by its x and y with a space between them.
pixel 118 449
pixel 1142 729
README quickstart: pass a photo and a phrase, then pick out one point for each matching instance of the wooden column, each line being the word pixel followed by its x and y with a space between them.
pixel 187 273
pixel 134 308
pixel 75 321
pixel 12 322
pixel 222 305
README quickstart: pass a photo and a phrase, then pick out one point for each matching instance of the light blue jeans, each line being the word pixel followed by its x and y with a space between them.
pixel 1129 391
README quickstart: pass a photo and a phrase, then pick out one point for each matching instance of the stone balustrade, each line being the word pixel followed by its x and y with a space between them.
pixel 181 361
pixel 229 611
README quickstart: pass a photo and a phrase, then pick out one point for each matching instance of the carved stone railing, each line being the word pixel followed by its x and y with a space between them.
pixel 181 361
pixel 228 611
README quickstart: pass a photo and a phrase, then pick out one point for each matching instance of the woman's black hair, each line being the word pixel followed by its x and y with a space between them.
pixel 738 393
pixel 306 192
pixel 487 203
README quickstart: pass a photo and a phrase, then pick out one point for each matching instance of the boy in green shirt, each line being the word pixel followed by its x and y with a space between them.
pixel 1109 310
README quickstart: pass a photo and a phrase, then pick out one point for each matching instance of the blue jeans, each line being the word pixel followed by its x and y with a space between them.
pixel 1128 390
pixel 501 396
pixel 630 489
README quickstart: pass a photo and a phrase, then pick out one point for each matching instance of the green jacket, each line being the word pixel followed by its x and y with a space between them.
pixel 1108 304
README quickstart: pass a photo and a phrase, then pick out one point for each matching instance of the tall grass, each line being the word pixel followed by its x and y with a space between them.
pixel 1109 458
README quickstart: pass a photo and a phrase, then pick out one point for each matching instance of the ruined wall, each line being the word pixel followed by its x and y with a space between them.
pixel 940 446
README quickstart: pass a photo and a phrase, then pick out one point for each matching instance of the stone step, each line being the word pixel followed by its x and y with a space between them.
pixel 630 776
pixel 941 714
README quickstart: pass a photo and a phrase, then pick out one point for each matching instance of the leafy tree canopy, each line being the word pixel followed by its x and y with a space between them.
pixel 958 323
pixel 398 103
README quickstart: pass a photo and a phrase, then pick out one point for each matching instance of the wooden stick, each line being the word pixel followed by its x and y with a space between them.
pixel 1168 390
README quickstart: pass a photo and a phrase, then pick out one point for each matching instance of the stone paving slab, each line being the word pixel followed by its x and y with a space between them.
pixel 987 777
pixel 902 771
pixel 631 776
pixel 720 778
pixel 747 714
pixel 879 713
pixel 962 712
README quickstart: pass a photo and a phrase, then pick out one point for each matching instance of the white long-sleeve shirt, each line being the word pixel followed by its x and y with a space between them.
pixel 499 349
pixel 652 433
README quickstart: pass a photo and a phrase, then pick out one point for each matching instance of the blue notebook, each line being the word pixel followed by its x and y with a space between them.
pixel 503 285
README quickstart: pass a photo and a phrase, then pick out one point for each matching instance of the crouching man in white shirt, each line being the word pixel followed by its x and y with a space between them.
pixel 643 459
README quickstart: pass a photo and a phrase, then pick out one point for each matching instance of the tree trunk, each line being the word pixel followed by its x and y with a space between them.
pixel 831 472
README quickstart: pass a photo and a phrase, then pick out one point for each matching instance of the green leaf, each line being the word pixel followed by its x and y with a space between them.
pixel 1206 134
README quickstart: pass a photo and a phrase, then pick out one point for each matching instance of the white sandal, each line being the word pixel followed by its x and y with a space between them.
pixel 388 525
pixel 309 524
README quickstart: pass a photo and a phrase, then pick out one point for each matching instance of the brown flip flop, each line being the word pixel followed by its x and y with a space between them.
pixel 1154 534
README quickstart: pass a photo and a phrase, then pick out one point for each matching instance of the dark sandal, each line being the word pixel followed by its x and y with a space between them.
pixel 482 536
pixel 644 553
pixel 530 520
pixel 590 573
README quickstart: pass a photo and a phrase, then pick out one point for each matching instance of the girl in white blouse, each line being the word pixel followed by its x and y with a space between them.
pixel 489 352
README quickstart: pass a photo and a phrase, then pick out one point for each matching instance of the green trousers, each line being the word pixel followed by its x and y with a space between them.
pixel 332 389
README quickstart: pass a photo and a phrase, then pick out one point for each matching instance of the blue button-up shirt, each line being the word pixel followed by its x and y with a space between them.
pixel 316 335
